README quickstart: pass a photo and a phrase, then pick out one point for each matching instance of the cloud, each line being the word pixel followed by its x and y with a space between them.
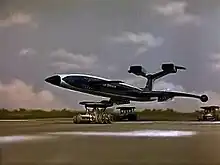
pixel 26 52
pixel 18 18
pixel 215 61
pixel 177 11
pixel 112 68
pixel 69 61
pixel 158 85
pixel 145 41
pixel 18 94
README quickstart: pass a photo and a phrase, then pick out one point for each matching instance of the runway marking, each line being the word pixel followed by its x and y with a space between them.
pixel 21 138
pixel 171 122
pixel 143 133
pixel 205 122
pixel 134 122
pixel 13 120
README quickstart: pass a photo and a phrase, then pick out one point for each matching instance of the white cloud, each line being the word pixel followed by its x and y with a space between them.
pixel 18 18
pixel 158 85
pixel 162 85
pixel 26 52
pixel 69 61
pixel 64 66
pixel 145 41
pixel 112 68
pixel 18 94
pixel 137 81
pixel 215 61
pixel 177 11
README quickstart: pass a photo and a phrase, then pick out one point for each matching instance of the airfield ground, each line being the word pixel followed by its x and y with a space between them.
pixel 61 142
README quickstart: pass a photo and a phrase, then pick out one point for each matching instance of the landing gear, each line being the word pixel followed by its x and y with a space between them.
pixel 95 113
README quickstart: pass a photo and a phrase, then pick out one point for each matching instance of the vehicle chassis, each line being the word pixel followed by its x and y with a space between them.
pixel 209 113
pixel 94 114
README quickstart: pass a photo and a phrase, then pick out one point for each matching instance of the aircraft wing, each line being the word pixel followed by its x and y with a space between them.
pixel 166 95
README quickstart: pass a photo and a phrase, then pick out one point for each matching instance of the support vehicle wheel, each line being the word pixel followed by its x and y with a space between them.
pixel 74 120
pixel 93 119
pixel 78 119
pixel 100 119
pixel 109 118
pixel 105 119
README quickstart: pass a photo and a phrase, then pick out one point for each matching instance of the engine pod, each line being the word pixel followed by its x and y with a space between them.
pixel 137 70
pixel 171 68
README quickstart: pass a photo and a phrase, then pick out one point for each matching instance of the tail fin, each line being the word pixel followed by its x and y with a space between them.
pixel 166 69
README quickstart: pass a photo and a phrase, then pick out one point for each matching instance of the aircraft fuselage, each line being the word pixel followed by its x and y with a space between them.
pixel 119 91
pixel 89 84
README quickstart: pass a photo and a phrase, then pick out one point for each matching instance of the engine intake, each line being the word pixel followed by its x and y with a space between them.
pixel 171 68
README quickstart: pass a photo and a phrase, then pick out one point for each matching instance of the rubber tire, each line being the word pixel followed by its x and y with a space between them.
pixel 78 119
pixel 100 119
pixel 74 119
pixel 105 119
pixel 93 119
pixel 110 118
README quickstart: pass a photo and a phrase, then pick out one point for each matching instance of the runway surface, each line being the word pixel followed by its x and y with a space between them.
pixel 61 142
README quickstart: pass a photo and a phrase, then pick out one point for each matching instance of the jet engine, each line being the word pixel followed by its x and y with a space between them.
pixel 137 70
pixel 171 68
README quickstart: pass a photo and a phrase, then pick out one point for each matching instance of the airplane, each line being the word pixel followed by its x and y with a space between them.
pixel 120 92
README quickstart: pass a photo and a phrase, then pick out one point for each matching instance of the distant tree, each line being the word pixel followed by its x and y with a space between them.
pixel 22 109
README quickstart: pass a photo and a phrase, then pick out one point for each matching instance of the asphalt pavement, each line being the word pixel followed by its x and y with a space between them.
pixel 61 142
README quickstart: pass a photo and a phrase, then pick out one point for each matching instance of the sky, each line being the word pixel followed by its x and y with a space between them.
pixel 104 37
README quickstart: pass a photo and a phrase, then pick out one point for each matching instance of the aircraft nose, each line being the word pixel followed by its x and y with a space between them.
pixel 55 80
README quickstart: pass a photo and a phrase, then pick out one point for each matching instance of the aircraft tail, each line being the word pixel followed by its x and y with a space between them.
pixel 166 69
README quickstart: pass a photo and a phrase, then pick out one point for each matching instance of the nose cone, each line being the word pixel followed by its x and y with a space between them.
pixel 54 80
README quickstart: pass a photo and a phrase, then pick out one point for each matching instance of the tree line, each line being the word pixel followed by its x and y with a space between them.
pixel 146 114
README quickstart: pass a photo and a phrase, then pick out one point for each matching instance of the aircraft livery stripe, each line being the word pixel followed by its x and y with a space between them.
pixel 101 78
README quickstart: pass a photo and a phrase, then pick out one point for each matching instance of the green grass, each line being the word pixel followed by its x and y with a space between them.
pixel 147 114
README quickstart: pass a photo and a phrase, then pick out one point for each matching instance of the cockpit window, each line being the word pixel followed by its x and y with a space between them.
pixel 72 79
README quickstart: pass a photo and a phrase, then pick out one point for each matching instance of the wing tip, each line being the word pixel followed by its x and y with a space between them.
pixel 204 98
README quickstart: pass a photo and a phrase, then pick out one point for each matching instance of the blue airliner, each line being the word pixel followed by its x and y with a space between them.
pixel 120 92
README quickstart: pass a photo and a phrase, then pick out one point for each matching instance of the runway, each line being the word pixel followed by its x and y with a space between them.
pixel 152 142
